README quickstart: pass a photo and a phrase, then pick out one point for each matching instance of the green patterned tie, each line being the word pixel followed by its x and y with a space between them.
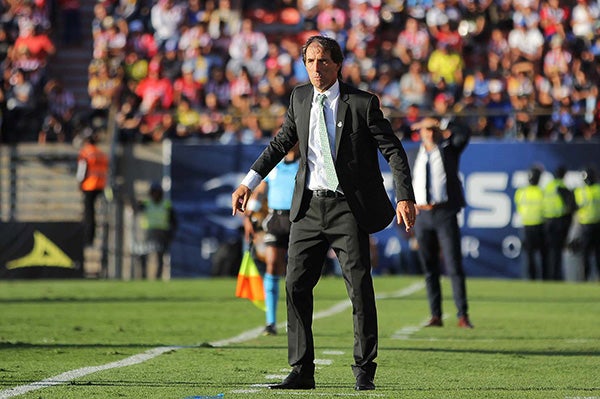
pixel 330 175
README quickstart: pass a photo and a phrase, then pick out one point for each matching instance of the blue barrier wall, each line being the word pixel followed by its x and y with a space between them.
pixel 203 177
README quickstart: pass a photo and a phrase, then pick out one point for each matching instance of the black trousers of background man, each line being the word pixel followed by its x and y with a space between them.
pixel 437 230
pixel 89 216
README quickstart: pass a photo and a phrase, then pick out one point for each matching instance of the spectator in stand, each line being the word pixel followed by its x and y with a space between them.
pixel 242 88
pixel 39 44
pixel 155 91
pixel 166 16
pixel 584 95
pixel 103 89
pixel 441 13
pixel 248 39
pixel 557 61
pixel 270 115
pixel 446 67
pixel 450 36
pixel 212 118
pixel 365 12
pixel 19 119
pixel 100 14
pixel 564 126
pixel 521 92
pixel 526 42
pixel 477 85
pixel 500 119
pixel 33 12
pixel 329 11
pixel 359 36
pixel 140 41
pixel 196 38
pixel 248 50
pixel 334 29
pixel 128 120
pixel 186 87
pixel 58 123
pixel 553 19
pixel 417 9
pixel 219 85
pixel 114 38
pixel 386 54
pixel 187 119
pixel 300 75
pixel 583 17
pixel 135 68
pixel 225 21
pixel 387 87
pixel 413 86
pixel 498 52
pixel 362 56
pixel 413 42
pixel 171 62
pixel 157 124
pixel 31 66
pixel 197 12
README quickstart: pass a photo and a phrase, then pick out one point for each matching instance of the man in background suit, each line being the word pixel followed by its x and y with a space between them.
pixel 439 197
pixel 339 199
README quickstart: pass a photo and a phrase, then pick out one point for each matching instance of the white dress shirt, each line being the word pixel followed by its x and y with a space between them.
pixel 316 171
pixel 438 192
pixel 316 177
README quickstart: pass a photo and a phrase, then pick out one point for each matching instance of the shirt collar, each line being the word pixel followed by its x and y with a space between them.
pixel 331 93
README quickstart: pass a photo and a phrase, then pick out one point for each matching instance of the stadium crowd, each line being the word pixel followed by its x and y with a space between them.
pixel 222 70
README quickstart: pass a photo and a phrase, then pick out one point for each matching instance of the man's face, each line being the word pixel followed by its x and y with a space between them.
pixel 321 69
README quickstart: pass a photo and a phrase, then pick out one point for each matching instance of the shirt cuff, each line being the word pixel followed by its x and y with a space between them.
pixel 252 180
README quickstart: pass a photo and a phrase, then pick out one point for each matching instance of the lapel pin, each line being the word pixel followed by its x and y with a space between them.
pixel 339 124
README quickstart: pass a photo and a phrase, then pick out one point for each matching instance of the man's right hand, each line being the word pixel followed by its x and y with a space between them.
pixel 239 199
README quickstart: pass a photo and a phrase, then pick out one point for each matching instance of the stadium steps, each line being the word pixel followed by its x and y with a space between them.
pixel 70 64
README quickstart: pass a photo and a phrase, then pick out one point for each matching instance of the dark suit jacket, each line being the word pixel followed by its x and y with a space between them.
pixel 361 129
pixel 451 149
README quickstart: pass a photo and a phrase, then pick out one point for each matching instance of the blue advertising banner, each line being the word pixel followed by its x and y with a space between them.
pixel 203 177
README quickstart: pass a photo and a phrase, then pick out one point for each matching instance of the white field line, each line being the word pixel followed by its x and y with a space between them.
pixel 152 353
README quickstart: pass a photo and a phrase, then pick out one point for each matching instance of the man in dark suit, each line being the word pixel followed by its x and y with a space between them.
pixel 439 197
pixel 339 199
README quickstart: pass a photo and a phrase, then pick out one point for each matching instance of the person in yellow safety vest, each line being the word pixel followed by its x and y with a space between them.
pixel 558 209
pixel 529 204
pixel 158 222
pixel 92 174
pixel 587 198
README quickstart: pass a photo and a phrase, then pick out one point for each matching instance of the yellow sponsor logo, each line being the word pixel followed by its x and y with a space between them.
pixel 44 253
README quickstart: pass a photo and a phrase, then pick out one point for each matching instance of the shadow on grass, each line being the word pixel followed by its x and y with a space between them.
pixel 497 351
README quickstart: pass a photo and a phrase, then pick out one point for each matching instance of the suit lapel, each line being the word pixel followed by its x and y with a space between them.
pixel 303 126
pixel 341 116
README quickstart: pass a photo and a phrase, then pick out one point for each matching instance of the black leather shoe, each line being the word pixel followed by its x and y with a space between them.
pixel 295 380
pixel 364 383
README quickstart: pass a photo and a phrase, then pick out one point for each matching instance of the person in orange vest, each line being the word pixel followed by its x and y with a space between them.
pixel 92 173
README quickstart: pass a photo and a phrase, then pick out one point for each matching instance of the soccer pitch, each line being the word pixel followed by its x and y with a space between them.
pixel 186 338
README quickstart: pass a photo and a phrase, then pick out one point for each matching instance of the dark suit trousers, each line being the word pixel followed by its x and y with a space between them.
pixel 329 222
pixel 437 230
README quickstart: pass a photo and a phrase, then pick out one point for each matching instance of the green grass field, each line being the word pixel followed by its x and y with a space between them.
pixel 185 338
